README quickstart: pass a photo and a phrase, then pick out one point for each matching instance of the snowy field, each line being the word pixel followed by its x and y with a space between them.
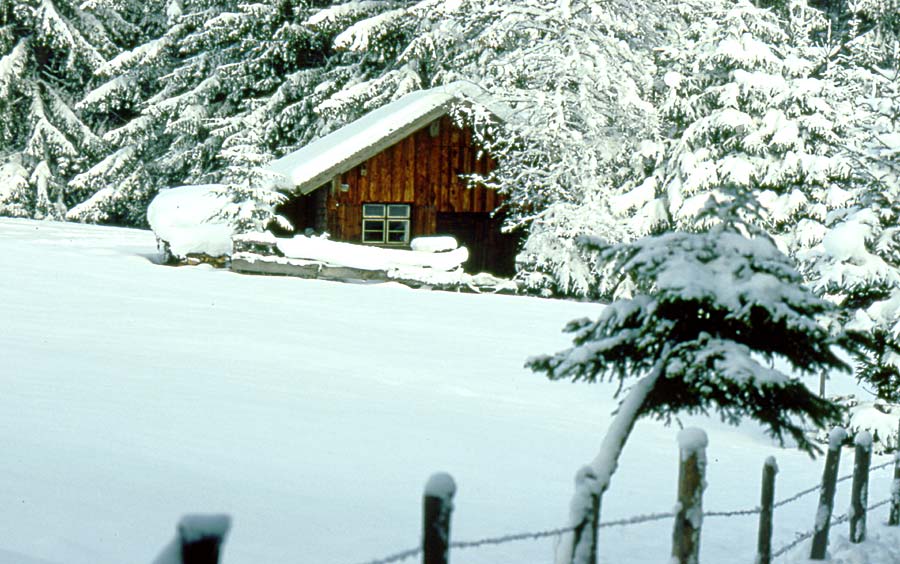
pixel 313 412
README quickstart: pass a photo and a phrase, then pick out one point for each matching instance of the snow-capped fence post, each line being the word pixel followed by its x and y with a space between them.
pixel 859 491
pixel 894 518
pixel 586 503
pixel 691 481
pixel 826 494
pixel 766 504
pixel 437 505
pixel 201 537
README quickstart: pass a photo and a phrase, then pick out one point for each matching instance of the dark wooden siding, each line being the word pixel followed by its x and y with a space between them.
pixel 421 170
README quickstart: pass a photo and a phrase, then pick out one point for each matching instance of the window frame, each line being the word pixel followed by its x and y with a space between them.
pixel 376 221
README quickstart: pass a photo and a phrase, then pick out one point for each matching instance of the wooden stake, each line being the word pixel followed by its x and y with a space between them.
pixel 860 490
pixel 437 505
pixel 894 518
pixel 587 532
pixel 691 481
pixel 201 537
pixel 826 494
pixel 766 504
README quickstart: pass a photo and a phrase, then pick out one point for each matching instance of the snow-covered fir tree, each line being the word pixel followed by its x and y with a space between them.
pixel 741 108
pixel 710 312
pixel 209 101
pixel 48 52
pixel 857 263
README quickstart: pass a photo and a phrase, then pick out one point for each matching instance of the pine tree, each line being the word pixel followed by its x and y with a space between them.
pixel 208 101
pixel 48 52
pixel 856 264
pixel 710 312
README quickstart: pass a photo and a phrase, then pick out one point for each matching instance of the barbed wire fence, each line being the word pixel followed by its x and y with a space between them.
pixel 800 537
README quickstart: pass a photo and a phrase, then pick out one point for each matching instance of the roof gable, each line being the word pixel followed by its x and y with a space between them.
pixel 315 164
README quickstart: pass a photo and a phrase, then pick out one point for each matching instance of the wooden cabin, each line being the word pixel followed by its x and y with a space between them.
pixel 394 175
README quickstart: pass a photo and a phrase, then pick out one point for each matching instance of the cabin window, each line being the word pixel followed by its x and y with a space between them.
pixel 385 224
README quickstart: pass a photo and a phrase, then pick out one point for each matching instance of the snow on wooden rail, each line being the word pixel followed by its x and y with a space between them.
pixel 433 262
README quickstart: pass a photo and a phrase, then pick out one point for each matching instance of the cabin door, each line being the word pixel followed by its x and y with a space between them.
pixel 489 249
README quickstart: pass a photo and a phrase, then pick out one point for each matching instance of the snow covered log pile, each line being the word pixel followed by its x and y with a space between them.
pixel 432 262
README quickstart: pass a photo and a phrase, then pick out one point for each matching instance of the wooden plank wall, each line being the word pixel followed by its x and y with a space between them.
pixel 422 170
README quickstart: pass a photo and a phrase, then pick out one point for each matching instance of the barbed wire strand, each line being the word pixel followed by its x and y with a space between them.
pixel 791 499
pixel 735 513
pixel 834 521
pixel 406 554
pixel 638 519
pixel 513 537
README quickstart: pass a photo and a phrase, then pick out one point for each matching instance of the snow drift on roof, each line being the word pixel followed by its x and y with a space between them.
pixel 308 168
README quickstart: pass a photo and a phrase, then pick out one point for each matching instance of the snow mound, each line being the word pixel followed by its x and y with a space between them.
pixel 184 218
pixel 368 258
pixel 439 244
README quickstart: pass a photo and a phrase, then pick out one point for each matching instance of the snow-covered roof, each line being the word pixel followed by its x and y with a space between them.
pixel 315 164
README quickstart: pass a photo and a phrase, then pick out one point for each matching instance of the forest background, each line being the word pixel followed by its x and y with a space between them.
pixel 627 120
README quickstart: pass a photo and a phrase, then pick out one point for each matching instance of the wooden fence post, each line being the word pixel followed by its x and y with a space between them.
pixel 201 538
pixel 860 490
pixel 826 494
pixel 437 505
pixel 766 504
pixel 691 481
pixel 586 533
pixel 894 518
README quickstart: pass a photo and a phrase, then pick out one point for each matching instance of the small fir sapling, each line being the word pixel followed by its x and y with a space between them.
pixel 710 311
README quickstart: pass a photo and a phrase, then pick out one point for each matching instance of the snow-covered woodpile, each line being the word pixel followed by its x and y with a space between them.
pixel 431 262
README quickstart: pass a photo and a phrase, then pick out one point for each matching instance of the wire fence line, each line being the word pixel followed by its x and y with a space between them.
pixel 637 519
pixel 398 557
pixel 791 499
pixel 834 521
pixel 645 518
pixel 513 537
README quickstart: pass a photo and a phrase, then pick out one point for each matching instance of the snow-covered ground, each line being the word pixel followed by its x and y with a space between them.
pixel 314 412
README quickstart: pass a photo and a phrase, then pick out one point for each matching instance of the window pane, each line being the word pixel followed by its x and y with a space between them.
pixel 398 210
pixel 373 231
pixel 398 231
pixel 373 210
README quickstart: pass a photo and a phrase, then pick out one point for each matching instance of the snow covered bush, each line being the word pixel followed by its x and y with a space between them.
pixel 878 417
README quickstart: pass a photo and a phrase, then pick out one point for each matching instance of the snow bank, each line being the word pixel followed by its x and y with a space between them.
pixel 368 258
pixel 184 218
